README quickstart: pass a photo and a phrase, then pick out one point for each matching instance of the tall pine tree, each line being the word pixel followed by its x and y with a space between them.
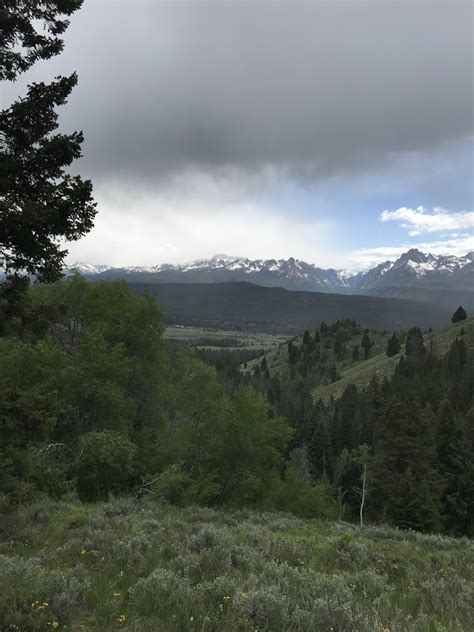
pixel 406 485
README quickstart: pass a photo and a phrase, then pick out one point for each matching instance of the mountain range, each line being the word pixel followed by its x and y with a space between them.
pixel 446 280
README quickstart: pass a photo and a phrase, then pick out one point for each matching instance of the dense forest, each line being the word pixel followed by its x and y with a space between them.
pixel 92 402
pixel 247 307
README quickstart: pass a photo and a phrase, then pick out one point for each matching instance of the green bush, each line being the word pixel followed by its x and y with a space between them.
pixel 105 464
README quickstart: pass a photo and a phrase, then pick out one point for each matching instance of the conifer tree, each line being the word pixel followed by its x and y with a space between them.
pixel 347 406
pixel 366 345
pixel 405 479
pixel 393 346
pixel 459 315
pixel 320 452
pixel 415 352
pixel 455 360
pixel 456 467
pixel 41 203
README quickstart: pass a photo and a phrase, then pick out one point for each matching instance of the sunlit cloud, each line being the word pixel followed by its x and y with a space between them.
pixel 366 258
pixel 420 220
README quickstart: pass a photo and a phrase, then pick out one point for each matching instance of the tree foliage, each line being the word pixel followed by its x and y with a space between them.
pixel 91 401
pixel 394 346
pixel 30 31
pixel 459 314
pixel 41 203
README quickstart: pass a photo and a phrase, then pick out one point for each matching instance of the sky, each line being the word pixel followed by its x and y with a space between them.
pixel 340 133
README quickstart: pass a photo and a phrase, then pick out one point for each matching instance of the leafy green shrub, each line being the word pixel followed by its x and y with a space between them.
pixel 105 464
pixel 172 485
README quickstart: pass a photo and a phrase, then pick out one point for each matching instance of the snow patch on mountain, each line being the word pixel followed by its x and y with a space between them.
pixel 410 268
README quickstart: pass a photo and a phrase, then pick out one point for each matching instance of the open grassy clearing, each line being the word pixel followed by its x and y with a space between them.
pixel 381 366
pixel 135 565
pixel 236 339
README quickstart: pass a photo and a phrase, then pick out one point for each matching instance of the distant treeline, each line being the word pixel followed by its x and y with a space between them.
pixel 253 308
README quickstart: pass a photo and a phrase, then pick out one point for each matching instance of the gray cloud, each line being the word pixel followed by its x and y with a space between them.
pixel 310 88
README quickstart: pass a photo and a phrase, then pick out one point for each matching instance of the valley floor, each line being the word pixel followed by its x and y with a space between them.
pixel 134 565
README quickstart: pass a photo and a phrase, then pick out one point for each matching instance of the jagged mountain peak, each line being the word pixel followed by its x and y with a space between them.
pixel 414 274
pixel 414 255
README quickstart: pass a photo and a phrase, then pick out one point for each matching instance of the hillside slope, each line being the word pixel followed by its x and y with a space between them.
pixel 136 565
pixel 382 366
pixel 255 308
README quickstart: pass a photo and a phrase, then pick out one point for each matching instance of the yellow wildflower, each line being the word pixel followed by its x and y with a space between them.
pixel 226 598
pixel 122 619
pixel 117 594
pixel 54 624
pixel 83 551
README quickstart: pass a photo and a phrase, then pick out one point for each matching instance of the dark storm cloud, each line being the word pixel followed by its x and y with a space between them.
pixel 314 88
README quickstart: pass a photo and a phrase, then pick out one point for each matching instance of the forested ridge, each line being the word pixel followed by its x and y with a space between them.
pixel 93 402
pixel 248 307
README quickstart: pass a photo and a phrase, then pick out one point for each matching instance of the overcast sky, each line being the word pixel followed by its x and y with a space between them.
pixel 337 132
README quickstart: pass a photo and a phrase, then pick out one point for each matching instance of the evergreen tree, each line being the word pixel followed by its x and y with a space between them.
pixel 24 28
pixel 41 203
pixel 393 346
pixel 293 353
pixel 405 479
pixel 366 345
pixel 320 452
pixel 347 406
pixel 415 351
pixel 455 360
pixel 334 374
pixel 355 354
pixel 459 314
pixel 456 467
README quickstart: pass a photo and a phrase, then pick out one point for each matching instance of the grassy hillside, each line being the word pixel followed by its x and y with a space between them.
pixel 253 308
pixel 382 366
pixel 136 566
pixel 277 358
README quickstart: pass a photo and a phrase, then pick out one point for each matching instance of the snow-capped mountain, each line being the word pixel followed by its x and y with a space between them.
pixel 291 273
pixel 414 275
pixel 415 269
pixel 86 268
